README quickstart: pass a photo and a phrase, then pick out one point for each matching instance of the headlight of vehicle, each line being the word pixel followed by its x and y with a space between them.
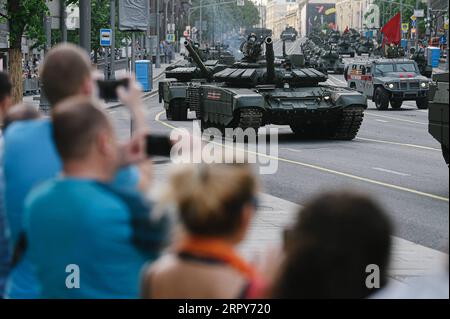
pixel 390 85
pixel 424 85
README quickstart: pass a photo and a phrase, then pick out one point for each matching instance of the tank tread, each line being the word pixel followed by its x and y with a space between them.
pixel 349 125
pixel 250 118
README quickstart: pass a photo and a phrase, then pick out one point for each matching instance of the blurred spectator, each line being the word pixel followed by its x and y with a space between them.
pixel 20 112
pixel 336 237
pixel 30 156
pixel 5 104
pixel 215 205
pixel 77 219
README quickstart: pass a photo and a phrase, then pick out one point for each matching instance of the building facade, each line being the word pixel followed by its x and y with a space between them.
pixel 350 13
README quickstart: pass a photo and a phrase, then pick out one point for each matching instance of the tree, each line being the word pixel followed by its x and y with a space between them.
pixel 25 18
pixel 389 9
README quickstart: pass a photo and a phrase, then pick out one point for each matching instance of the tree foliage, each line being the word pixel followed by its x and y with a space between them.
pixel 389 9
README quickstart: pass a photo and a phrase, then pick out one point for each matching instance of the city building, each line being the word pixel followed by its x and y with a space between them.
pixel 350 13
pixel 276 12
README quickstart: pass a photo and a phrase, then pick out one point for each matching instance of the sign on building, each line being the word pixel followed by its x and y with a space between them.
pixel 134 15
pixel 419 13
pixel 372 17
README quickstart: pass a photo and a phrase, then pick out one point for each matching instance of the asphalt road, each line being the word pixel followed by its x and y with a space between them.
pixel 393 158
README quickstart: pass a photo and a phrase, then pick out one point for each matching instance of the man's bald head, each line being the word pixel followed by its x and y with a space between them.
pixel 65 72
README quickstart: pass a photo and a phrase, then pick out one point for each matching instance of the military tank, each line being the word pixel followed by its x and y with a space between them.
pixel 419 56
pixel 438 111
pixel 364 46
pixel 330 61
pixel 289 34
pixel 345 46
pixel 254 92
pixel 173 89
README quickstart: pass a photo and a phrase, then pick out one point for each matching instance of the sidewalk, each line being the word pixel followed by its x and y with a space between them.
pixel 408 260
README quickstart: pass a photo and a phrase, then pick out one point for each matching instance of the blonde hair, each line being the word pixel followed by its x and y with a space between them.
pixel 209 198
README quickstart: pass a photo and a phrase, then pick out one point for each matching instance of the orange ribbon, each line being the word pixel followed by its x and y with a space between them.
pixel 219 250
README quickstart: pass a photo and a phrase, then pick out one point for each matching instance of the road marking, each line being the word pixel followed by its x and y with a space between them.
pixel 394 118
pixel 382 121
pixel 322 169
pixel 291 150
pixel 389 171
pixel 399 144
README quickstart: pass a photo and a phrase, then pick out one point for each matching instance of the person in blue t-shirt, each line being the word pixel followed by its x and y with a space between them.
pixel 5 105
pixel 86 239
pixel 30 156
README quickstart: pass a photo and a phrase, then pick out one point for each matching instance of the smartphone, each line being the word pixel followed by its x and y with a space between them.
pixel 107 88
pixel 158 145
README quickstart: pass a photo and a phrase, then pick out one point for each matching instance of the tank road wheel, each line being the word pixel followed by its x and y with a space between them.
pixel 348 126
pixel 381 98
pixel 396 104
pixel 178 110
pixel 422 103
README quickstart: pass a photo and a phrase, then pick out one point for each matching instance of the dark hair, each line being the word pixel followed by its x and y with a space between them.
pixel 76 122
pixel 20 112
pixel 5 85
pixel 335 238
pixel 64 70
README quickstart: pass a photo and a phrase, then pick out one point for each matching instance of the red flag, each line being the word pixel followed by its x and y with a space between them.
pixel 392 30
pixel 346 29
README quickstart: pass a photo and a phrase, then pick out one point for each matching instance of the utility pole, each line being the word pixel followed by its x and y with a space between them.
pixel 85 25
pixel 200 31
pixel 112 10
pixel 158 22
pixel 62 21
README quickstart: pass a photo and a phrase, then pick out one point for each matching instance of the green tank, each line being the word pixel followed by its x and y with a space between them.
pixel 438 111
pixel 173 89
pixel 255 92
pixel 330 61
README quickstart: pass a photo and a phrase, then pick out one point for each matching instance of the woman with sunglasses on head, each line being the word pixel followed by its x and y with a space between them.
pixel 215 205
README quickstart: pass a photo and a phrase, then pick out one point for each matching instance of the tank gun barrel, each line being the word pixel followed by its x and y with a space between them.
pixel 270 60
pixel 284 49
pixel 197 59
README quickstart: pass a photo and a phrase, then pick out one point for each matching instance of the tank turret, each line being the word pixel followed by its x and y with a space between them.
pixel 256 70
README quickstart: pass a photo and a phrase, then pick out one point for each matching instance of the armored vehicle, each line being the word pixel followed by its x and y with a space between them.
pixel 387 81
pixel 438 111
pixel 331 61
pixel 172 91
pixel 364 46
pixel 254 92
pixel 419 56
pixel 289 34
pixel 345 46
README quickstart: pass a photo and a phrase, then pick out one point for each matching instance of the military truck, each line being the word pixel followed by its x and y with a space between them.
pixel 289 34
pixel 173 90
pixel 387 81
pixel 254 92
pixel 438 111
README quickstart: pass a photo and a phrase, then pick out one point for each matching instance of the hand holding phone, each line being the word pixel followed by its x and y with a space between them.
pixel 108 88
